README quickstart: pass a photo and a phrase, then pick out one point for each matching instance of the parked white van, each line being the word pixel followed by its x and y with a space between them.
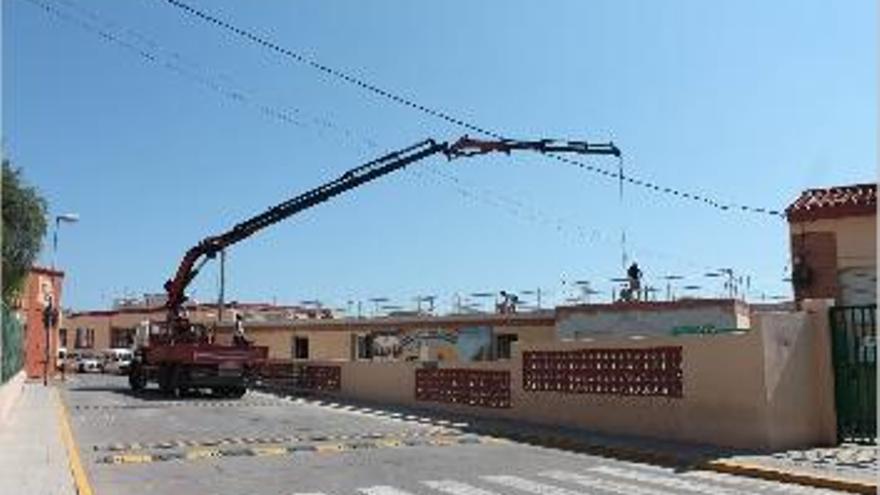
pixel 117 361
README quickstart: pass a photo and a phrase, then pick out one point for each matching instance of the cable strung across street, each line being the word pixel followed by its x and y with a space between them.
pixel 439 114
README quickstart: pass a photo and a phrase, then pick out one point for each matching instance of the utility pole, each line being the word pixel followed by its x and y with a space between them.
pixel 50 319
pixel 221 299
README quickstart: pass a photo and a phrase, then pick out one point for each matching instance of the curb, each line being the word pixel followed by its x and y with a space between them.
pixel 800 478
pixel 81 481
pixel 720 466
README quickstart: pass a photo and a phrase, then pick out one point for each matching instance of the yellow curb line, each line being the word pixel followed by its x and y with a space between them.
pixel 80 479
pixel 757 471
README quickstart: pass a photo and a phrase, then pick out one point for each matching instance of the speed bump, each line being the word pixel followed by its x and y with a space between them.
pixel 326 448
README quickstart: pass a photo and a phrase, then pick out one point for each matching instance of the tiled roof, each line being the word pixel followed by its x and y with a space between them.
pixel 834 202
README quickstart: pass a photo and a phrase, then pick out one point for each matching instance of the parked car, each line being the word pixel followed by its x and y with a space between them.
pixel 61 358
pixel 89 363
pixel 117 361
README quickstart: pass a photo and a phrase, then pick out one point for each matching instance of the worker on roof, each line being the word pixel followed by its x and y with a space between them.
pixel 238 337
pixel 634 274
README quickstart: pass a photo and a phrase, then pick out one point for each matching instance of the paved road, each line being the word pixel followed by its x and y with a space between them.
pixel 267 445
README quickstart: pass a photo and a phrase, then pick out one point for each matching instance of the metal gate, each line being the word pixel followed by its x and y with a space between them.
pixel 854 347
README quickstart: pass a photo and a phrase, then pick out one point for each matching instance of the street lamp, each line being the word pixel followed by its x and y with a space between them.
pixel 65 218
pixel 50 314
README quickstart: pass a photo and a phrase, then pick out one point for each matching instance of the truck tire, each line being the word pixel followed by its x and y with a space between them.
pixel 168 380
pixel 236 392
pixel 137 380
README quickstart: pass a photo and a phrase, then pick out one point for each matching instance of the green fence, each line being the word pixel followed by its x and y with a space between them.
pixel 854 346
pixel 11 343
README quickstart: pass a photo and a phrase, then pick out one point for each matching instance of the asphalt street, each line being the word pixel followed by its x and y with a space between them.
pixel 262 444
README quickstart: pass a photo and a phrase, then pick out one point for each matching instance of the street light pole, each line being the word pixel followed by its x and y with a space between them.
pixel 66 218
pixel 50 313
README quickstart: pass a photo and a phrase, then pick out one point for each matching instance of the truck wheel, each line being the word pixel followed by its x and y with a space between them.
pixel 167 379
pixel 235 392
pixel 137 380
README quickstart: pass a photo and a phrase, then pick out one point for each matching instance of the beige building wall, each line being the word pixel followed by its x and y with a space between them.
pixel 856 238
pixel 768 387
pixel 842 255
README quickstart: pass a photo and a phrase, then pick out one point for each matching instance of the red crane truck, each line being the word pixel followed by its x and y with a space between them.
pixel 183 356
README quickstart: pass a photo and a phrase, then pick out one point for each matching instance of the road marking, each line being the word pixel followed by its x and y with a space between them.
pixel 456 488
pixel 213 442
pixel 325 448
pixel 667 481
pixel 530 486
pixel 202 453
pixel 608 486
pixel 383 490
pixel 83 487
pixel 133 458
pixel 266 451
pixel 775 486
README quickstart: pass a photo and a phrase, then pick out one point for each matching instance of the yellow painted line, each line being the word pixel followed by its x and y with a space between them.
pixel 444 441
pixel 81 481
pixel 329 448
pixel 132 458
pixel 758 471
pixel 266 451
pixel 202 453
pixel 389 443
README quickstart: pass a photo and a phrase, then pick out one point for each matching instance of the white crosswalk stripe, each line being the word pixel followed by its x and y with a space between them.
pixel 530 486
pixel 668 481
pixel 605 485
pixel 605 479
pixel 383 490
pixel 456 488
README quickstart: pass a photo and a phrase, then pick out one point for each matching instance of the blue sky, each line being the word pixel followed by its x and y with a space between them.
pixel 748 102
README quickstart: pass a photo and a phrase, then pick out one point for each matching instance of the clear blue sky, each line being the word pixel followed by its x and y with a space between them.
pixel 746 101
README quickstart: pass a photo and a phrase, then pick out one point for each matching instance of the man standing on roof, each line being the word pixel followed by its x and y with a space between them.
pixel 634 274
pixel 238 337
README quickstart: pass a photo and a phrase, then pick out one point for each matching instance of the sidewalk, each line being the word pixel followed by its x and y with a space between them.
pixel 847 467
pixel 33 457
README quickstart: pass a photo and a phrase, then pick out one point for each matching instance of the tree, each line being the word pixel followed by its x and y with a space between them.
pixel 24 226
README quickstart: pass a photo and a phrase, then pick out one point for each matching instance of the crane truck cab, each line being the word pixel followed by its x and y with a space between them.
pixel 179 365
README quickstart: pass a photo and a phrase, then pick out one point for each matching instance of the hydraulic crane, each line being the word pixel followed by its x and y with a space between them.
pixel 182 357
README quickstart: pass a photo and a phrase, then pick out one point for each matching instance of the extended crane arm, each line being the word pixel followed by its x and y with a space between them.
pixel 467 146
pixel 208 248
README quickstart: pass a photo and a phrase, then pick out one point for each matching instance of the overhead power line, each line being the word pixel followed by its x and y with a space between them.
pixel 180 65
pixel 251 36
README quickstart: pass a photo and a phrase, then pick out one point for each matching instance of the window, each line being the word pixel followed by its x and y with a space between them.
pixel 300 348
pixel 121 337
pixel 503 344
pixel 85 338
pixel 62 337
pixel 362 347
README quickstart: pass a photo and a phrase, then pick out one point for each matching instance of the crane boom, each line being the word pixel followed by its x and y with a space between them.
pixel 208 248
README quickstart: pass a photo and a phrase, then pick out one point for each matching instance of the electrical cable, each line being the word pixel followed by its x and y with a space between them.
pixel 175 61
pixel 439 114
